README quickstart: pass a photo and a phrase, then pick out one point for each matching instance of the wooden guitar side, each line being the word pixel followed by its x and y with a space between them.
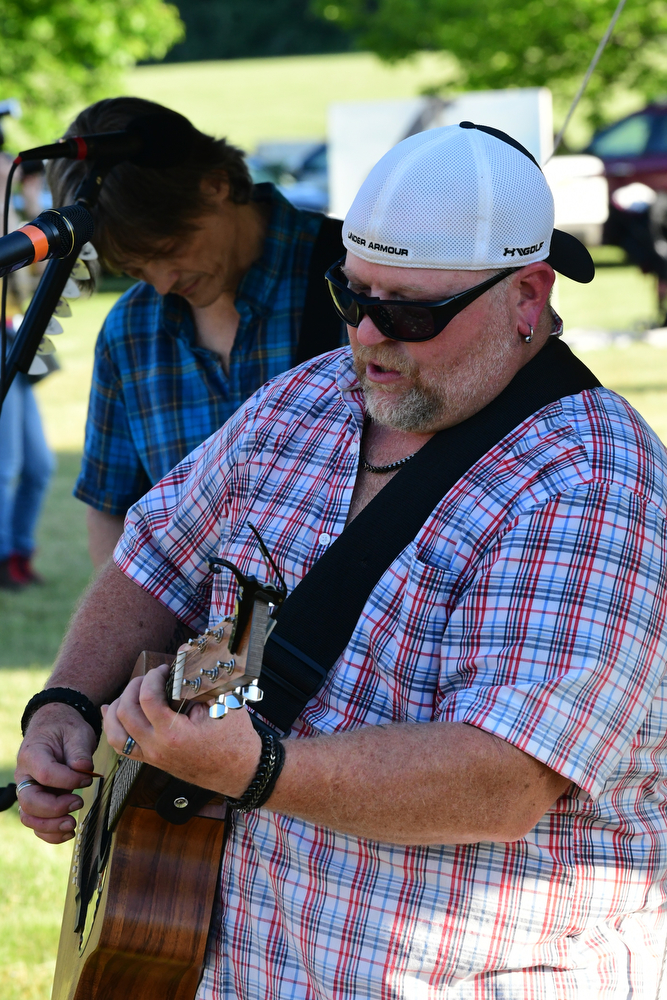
pixel 148 939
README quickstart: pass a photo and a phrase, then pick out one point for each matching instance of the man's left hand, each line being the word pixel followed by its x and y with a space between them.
pixel 220 754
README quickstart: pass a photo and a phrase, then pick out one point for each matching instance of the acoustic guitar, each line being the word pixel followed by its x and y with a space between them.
pixel 141 889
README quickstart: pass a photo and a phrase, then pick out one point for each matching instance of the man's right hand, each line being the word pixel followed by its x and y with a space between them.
pixel 58 746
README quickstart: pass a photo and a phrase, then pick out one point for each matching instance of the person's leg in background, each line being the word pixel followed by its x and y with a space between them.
pixel 11 454
pixel 36 469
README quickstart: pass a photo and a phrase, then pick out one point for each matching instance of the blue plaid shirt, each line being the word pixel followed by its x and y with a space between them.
pixel 156 395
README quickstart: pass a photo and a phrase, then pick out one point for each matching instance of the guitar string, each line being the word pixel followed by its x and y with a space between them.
pixel 102 799
pixel 101 804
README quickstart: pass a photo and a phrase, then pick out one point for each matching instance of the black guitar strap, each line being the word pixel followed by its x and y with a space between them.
pixel 321 327
pixel 317 619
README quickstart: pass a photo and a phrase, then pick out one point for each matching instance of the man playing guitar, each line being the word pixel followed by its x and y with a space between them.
pixel 473 803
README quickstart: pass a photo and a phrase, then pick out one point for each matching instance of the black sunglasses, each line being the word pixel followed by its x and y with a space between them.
pixel 401 319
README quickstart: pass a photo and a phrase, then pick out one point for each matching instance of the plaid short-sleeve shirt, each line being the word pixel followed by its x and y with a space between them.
pixel 532 605
pixel 156 394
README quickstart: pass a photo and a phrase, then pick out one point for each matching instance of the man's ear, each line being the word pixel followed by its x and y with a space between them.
pixel 215 186
pixel 532 285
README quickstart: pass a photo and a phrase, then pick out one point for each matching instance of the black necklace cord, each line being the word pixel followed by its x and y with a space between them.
pixel 379 469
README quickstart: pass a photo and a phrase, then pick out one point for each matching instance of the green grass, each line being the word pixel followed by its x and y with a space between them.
pixel 33 875
pixel 619 298
pixel 249 100
pixel 34 619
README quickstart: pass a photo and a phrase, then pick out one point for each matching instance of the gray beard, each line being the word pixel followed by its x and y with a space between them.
pixel 439 397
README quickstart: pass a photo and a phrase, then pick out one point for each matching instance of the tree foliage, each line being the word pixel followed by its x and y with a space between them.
pixel 238 29
pixel 57 54
pixel 505 43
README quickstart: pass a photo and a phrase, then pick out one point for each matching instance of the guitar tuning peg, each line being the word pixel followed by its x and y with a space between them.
pixel 212 673
pixel 229 702
pixel 62 309
pixel 219 710
pixel 71 290
pixel 234 699
pixel 87 252
pixel 252 692
pixel 195 684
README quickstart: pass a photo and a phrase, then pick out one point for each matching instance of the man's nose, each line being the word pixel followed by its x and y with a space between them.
pixel 368 334
pixel 161 278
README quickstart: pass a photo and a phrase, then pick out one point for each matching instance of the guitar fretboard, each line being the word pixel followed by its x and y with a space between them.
pixel 124 778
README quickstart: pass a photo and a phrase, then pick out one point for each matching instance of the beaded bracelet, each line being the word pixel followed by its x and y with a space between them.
pixel 271 761
pixel 67 696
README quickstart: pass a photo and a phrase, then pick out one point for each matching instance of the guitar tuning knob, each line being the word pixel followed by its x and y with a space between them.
pixel 195 684
pixel 231 701
pixel 212 673
pixel 234 699
pixel 227 665
pixel 252 692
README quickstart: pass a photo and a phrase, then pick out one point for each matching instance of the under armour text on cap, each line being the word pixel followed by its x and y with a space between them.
pixel 464 197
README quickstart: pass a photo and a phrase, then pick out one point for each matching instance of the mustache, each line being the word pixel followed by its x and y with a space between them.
pixel 386 356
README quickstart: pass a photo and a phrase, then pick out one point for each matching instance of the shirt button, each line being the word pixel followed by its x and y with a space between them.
pixel 354 448
pixel 324 539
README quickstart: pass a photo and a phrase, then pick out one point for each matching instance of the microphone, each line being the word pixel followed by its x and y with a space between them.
pixel 54 233
pixel 158 139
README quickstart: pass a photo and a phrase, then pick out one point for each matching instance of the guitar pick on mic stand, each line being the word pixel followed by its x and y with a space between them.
pixel 53 281
pixel 158 139
pixel 38 316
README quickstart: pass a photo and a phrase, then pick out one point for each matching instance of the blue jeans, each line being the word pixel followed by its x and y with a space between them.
pixel 26 465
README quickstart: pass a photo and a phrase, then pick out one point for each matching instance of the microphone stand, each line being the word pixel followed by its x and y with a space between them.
pixel 49 290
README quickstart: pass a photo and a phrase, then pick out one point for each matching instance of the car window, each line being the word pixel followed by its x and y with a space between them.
pixel 658 141
pixel 628 138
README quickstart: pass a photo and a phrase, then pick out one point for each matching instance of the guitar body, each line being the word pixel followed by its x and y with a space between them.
pixel 141 889
pixel 149 886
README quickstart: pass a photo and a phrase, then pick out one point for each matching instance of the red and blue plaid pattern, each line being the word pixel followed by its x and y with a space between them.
pixel 532 605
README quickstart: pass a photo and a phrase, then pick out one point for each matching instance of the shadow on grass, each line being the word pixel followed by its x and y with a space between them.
pixel 6 775
pixel 34 620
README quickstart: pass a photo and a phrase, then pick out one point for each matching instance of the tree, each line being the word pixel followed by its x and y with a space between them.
pixel 509 43
pixel 57 54
pixel 238 29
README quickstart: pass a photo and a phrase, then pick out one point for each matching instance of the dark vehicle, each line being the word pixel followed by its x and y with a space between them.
pixel 634 153
pixel 635 149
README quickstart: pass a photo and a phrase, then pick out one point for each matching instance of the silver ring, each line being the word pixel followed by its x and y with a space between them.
pixel 129 746
pixel 24 784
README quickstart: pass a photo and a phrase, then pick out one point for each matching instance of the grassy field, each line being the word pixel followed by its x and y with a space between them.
pixel 33 875
pixel 250 100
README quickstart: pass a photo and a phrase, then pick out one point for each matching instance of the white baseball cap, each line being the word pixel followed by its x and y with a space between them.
pixel 465 197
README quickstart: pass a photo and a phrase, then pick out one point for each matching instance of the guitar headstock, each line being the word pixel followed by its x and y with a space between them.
pixel 221 666
pixel 205 668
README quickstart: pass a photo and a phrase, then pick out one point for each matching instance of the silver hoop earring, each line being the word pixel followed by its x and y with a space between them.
pixel 528 337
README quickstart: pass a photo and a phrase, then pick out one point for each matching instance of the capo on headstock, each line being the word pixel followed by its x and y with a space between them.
pixel 251 590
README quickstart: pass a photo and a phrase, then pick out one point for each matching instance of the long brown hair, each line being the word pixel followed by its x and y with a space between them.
pixel 143 209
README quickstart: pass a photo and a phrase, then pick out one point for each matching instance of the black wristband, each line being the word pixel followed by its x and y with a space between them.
pixel 268 771
pixel 67 696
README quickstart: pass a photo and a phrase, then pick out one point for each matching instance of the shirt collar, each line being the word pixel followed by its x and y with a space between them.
pixel 350 389
pixel 258 286
pixel 177 318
